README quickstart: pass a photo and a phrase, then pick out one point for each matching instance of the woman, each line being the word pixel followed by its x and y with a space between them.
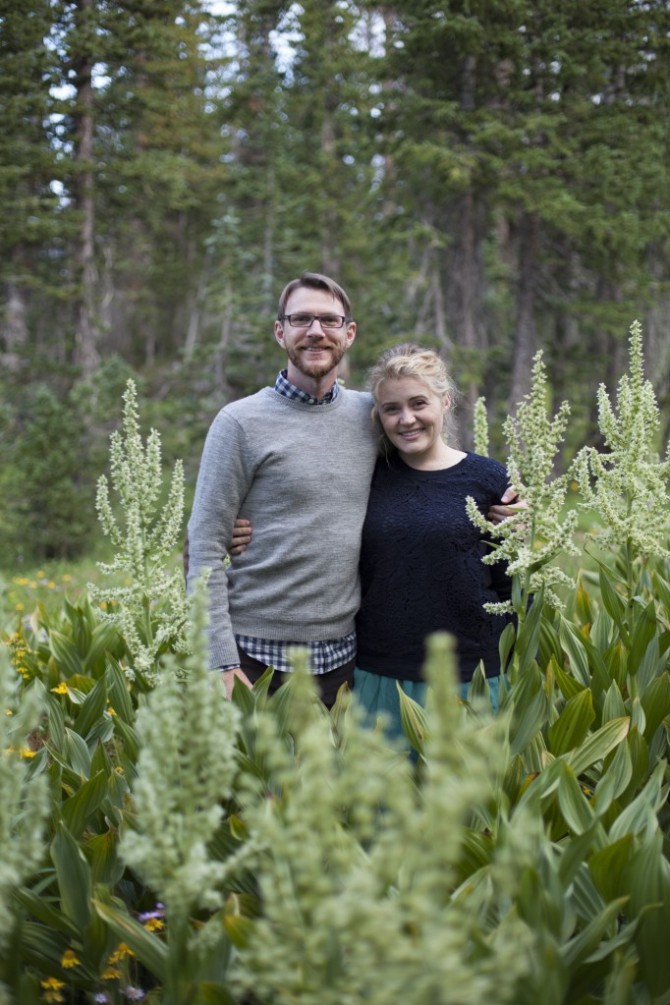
pixel 421 559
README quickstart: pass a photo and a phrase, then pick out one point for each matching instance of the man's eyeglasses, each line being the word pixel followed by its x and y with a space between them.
pixel 305 320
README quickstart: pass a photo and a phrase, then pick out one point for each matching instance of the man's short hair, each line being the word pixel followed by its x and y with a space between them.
pixel 314 281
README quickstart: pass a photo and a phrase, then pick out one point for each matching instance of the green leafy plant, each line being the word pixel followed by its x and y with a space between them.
pixel 150 609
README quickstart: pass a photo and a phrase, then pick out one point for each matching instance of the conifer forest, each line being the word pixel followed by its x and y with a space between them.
pixel 487 179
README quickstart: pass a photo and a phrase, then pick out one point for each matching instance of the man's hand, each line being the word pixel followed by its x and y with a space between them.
pixel 228 680
pixel 508 506
pixel 241 536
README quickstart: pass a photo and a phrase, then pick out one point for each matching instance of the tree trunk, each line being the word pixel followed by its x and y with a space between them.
pixel 526 330
pixel 86 323
pixel 14 328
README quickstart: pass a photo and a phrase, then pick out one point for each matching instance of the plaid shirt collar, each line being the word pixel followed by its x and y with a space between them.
pixel 284 386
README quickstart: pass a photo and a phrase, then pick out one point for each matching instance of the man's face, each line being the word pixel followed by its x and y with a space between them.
pixel 314 351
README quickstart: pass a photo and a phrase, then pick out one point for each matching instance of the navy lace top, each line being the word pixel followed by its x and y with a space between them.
pixel 421 568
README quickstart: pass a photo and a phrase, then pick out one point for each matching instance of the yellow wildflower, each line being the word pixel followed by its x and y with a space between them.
pixel 60 688
pixel 120 953
pixel 19 607
pixel 154 924
pixel 111 974
pixel 69 959
pixel 27 753
pixel 52 989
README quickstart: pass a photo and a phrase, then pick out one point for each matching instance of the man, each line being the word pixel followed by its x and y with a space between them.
pixel 297 459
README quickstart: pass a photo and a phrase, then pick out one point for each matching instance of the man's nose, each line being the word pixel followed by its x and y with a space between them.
pixel 315 321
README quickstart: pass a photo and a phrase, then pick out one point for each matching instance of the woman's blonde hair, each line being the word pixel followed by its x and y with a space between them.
pixel 411 360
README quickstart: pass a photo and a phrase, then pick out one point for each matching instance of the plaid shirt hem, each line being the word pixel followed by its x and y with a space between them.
pixel 323 656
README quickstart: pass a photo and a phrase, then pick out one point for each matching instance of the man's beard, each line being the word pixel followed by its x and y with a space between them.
pixel 300 360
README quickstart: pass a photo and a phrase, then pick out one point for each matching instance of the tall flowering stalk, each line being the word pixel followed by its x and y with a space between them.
pixel 533 538
pixel 628 484
pixel 185 771
pixel 151 610
pixel 24 800
pixel 481 428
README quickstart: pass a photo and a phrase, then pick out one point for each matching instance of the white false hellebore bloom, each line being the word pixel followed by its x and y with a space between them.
pixel 628 484
pixel 530 540
pixel 150 612
pixel 185 772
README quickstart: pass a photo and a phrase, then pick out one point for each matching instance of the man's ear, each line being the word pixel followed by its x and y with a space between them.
pixel 279 333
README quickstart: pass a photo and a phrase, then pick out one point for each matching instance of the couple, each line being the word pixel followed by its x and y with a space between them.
pixel 301 461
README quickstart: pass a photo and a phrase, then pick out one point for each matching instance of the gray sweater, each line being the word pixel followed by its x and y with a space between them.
pixel 301 473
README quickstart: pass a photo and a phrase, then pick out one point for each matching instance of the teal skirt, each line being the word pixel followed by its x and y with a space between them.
pixel 378 696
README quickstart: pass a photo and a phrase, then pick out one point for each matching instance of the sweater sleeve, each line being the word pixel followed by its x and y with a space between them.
pixel 223 480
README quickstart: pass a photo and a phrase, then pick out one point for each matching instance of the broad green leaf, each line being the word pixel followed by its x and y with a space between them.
pixel 643 634
pixel 568 684
pixel 650 887
pixel 77 753
pixel 147 947
pixel 573 804
pixel 614 781
pixel 506 644
pixel 74 877
pixel 596 746
pixel 616 664
pixel 639 756
pixel 413 720
pixel 583 607
pixel 638 720
pixel 609 864
pixel 243 697
pixel 642 812
pixel 118 692
pixel 50 916
pixel 572 725
pixel 56 723
pixel 238 929
pixel 528 636
pixel 77 810
pixel 106 865
pixel 129 738
pixel 42 947
pixel 587 941
pixel 92 709
pixel 575 851
pixel 64 652
pixel 574 645
pixel 653 664
pixel 614 707
pixel 656 703
pixel 208 993
pixel 614 604
pixel 104 639
pixel 529 712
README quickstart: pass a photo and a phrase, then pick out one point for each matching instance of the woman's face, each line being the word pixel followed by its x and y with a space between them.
pixel 412 416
